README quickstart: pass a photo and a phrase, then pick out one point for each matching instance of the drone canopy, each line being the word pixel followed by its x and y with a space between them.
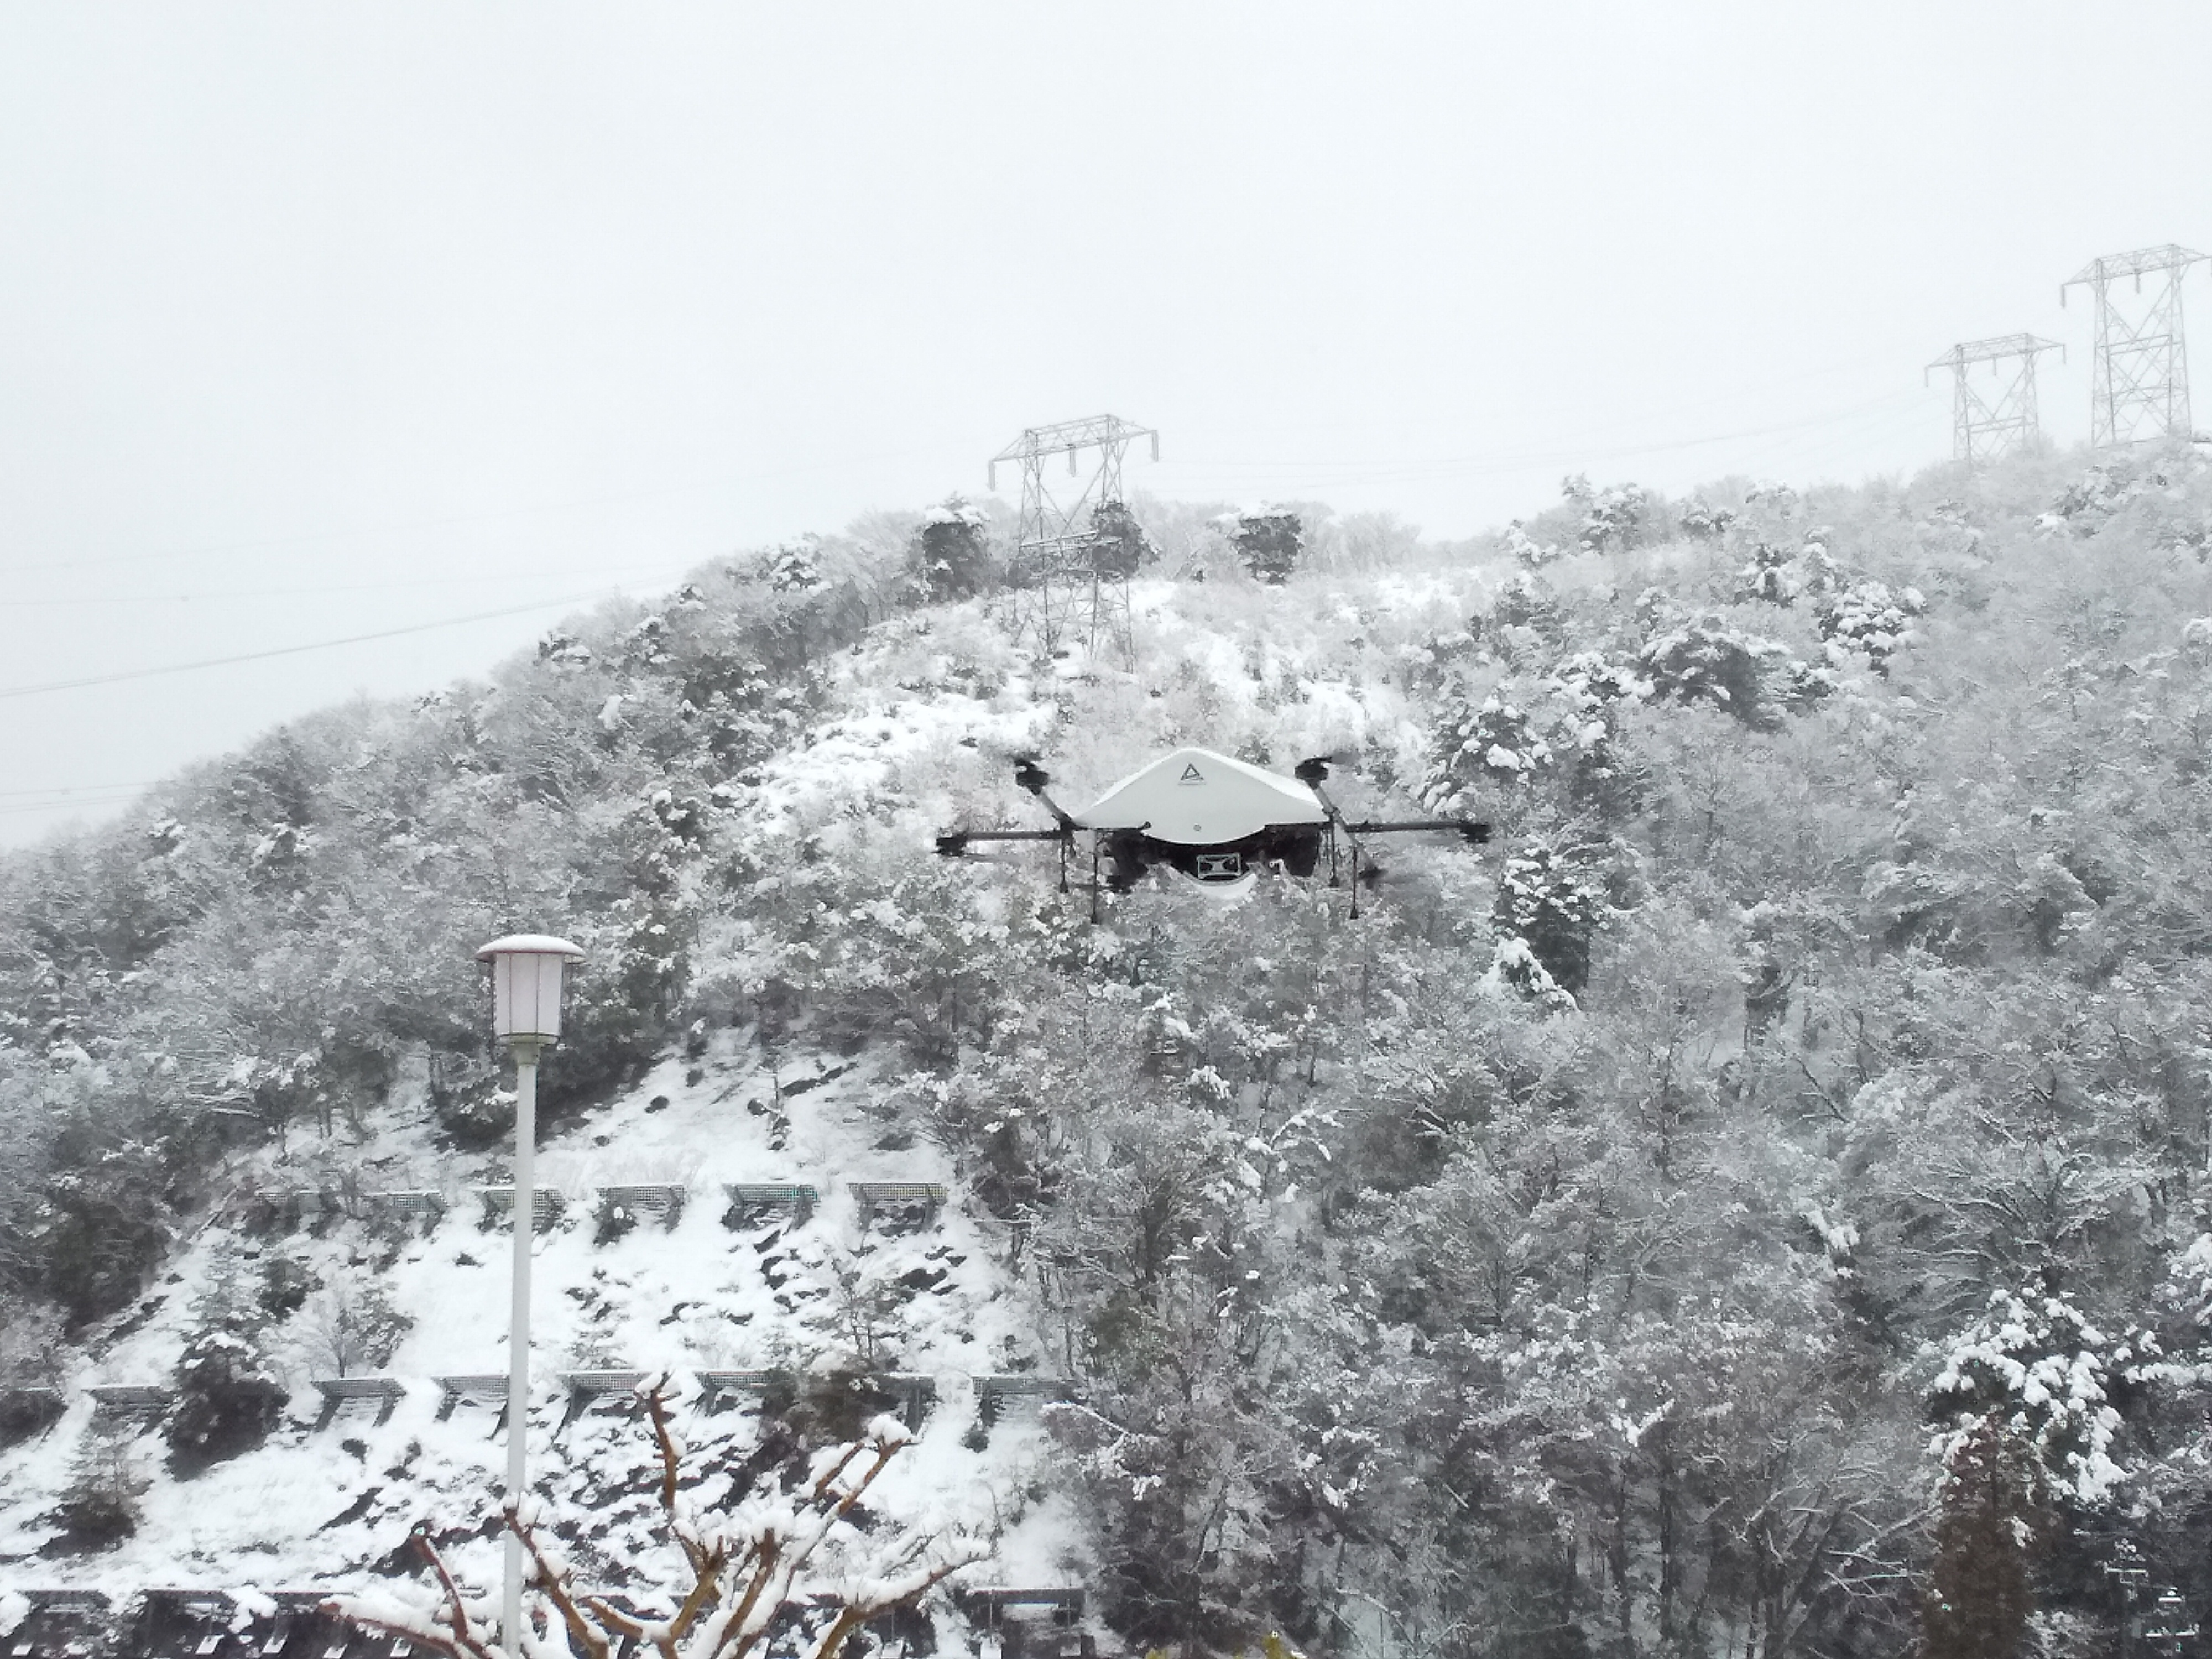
pixel 1195 798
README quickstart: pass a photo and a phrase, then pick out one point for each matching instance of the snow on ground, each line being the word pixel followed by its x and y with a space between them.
pixel 315 1507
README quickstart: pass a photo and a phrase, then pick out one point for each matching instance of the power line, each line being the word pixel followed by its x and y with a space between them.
pixel 449 521
pixel 121 675
pixel 74 788
pixel 85 803
pixel 657 571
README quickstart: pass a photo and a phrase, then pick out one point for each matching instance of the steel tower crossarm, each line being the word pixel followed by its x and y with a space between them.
pixel 1064 437
pixel 2167 255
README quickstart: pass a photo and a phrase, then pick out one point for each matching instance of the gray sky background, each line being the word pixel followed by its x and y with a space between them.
pixel 323 320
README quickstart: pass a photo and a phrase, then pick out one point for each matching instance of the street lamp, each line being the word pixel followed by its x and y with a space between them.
pixel 526 970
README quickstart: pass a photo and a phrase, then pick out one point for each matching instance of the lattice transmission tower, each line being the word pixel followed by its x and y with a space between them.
pixel 2139 388
pixel 1984 428
pixel 1070 581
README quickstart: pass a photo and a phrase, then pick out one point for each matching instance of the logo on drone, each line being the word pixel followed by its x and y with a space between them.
pixel 1191 774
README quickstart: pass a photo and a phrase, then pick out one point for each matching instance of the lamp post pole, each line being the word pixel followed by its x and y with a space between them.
pixel 518 1342
pixel 526 970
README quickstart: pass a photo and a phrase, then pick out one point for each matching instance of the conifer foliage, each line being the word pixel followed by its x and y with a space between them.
pixel 1990 1526
pixel 1269 542
pixel 228 1393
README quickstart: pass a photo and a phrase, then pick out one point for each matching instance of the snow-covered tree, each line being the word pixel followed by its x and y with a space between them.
pixel 747 1563
pixel 1269 541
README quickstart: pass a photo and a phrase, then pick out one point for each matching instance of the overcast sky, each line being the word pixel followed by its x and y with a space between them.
pixel 319 321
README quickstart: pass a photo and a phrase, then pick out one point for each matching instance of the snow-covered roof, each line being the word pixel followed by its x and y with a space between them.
pixel 1196 797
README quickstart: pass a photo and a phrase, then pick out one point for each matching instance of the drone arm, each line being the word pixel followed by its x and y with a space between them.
pixel 954 843
pixel 1474 832
pixel 1028 775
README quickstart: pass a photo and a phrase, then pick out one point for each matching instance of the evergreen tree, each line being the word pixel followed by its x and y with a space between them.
pixel 1988 1524
pixel 1270 541
pixel 228 1394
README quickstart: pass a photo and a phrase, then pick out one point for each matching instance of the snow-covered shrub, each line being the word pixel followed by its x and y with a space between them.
pixel 1781 500
pixel 1767 575
pixel 621 1004
pixel 2084 505
pixel 100 1506
pixel 32 1356
pixel 1491 742
pixel 98 1229
pixel 1525 614
pixel 951 556
pixel 353 1328
pixel 229 1396
pixel 1866 620
pixel 2193 537
pixel 1527 549
pixel 1800 684
pixel 1552 904
pixel 1269 540
pixel 560 646
pixel 1516 967
pixel 1498 740
pixel 1707 660
pixel 1588 691
pixel 1701 521
pixel 1613 519
pixel 795 566
pixel 2035 1367
pixel 279 859
pixel 286 1284
pixel 1431 663
pixel 1592 685
pixel 469 1102
pixel 1118 544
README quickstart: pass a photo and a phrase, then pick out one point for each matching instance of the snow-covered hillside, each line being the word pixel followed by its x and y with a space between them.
pixel 1814 1053
pixel 328 1505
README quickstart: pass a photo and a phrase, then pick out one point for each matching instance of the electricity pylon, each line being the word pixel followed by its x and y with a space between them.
pixel 1061 592
pixel 2139 388
pixel 1984 428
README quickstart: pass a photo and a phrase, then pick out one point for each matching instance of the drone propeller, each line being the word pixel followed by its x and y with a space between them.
pixel 1028 775
pixel 1314 768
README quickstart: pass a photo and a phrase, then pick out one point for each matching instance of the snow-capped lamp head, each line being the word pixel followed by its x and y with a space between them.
pixel 526 970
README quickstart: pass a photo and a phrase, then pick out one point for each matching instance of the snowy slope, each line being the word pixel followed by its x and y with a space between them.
pixel 323 1507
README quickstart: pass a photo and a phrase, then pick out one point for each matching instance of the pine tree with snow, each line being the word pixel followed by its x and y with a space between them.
pixel 950 557
pixel 1270 541
pixel 228 1393
pixel 1551 905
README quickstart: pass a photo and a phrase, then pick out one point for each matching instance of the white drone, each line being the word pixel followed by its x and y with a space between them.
pixel 1211 819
